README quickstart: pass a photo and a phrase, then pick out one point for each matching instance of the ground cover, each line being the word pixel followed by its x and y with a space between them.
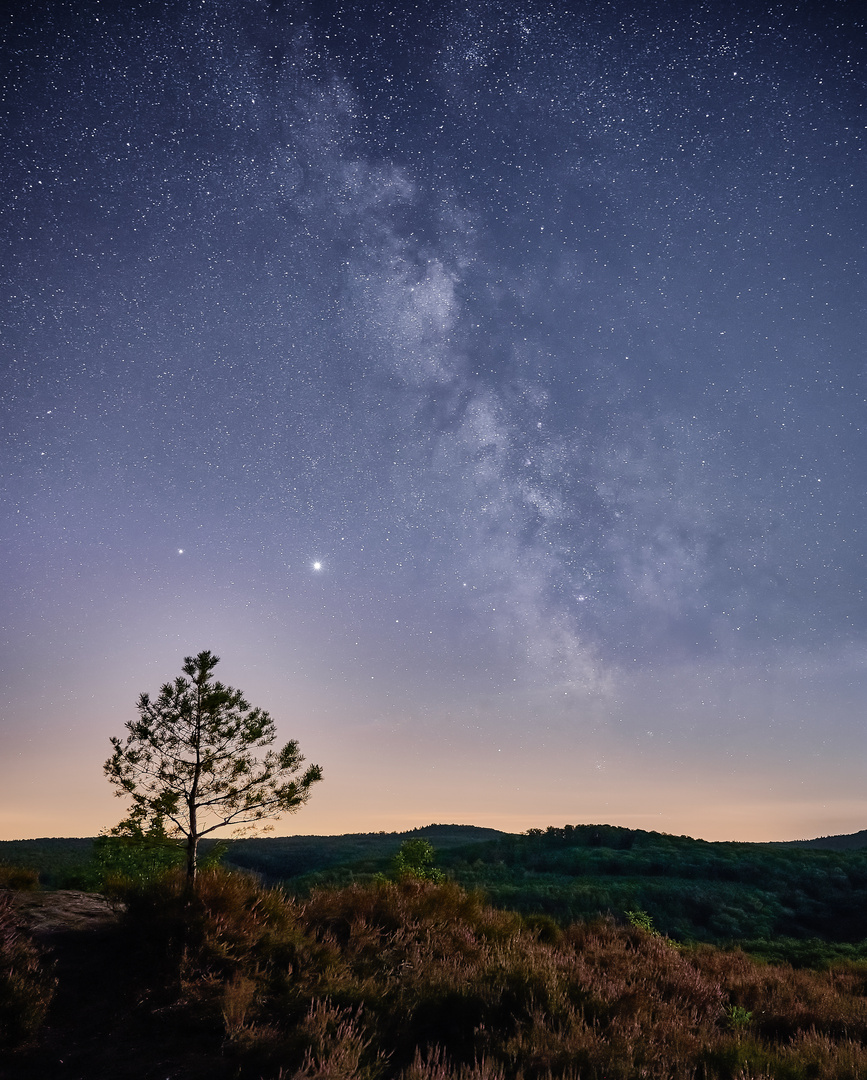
pixel 420 981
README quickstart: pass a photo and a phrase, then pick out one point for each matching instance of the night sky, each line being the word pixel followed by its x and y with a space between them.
pixel 483 382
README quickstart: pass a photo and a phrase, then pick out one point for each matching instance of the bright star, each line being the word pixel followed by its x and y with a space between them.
pixel 317 566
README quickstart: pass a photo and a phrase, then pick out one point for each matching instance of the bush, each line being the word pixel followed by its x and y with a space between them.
pixel 133 858
pixel 415 859
pixel 18 878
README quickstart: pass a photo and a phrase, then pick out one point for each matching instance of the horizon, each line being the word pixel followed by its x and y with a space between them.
pixel 452 825
pixel 485 386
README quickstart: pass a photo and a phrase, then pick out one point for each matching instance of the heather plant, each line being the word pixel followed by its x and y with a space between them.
pixel 435 1065
pixel 230 924
pixel 337 1045
pixel 239 994
pixel 26 985
pixel 413 980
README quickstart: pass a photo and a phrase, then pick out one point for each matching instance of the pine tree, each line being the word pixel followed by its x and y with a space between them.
pixel 189 761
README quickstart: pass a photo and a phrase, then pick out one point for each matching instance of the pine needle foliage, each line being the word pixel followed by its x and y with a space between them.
pixel 189 763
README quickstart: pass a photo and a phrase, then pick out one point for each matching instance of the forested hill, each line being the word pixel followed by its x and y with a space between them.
pixel 61 861
pixel 280 857
pixel 692 889
pixel 850 842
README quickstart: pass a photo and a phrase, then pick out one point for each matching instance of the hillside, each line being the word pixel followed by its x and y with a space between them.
pixel 64 861
pixel 694 890
pixel 849 842
pixel 283 857
pixel 803 901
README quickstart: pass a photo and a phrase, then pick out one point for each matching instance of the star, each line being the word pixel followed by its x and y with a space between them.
pixel 608 344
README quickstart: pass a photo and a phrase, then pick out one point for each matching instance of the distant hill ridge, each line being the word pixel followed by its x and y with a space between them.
pixel 59 859
pixel 847 842
pixel 444 834
pixel 693 890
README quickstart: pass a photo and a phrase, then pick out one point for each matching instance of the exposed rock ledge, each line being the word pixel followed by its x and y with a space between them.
pixel 44 913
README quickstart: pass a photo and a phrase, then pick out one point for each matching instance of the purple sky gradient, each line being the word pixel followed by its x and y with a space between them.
pixel 484 384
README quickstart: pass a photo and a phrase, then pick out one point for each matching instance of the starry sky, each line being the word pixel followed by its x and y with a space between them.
pixel 484 382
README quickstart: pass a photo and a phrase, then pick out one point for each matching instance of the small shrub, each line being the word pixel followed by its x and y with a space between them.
pixel 119 857
pixel 18 878
pixel 337 1046
pixel 544 927
pixel 435 1065
pixel 642 921
pixel 737 1017
pixel 415 859
pixel 229 921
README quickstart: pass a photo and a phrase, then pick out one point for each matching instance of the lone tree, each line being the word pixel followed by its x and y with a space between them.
pixel 188 761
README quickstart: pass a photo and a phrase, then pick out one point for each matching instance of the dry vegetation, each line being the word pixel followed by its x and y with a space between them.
pixel 26 982
pixel 423 981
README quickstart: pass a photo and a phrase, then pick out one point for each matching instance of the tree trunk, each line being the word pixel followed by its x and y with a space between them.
pixel 192 864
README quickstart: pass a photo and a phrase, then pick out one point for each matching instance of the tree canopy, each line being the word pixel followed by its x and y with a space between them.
pixel 189 764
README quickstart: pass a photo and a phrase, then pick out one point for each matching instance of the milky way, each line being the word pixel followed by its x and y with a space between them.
pixel 484 383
